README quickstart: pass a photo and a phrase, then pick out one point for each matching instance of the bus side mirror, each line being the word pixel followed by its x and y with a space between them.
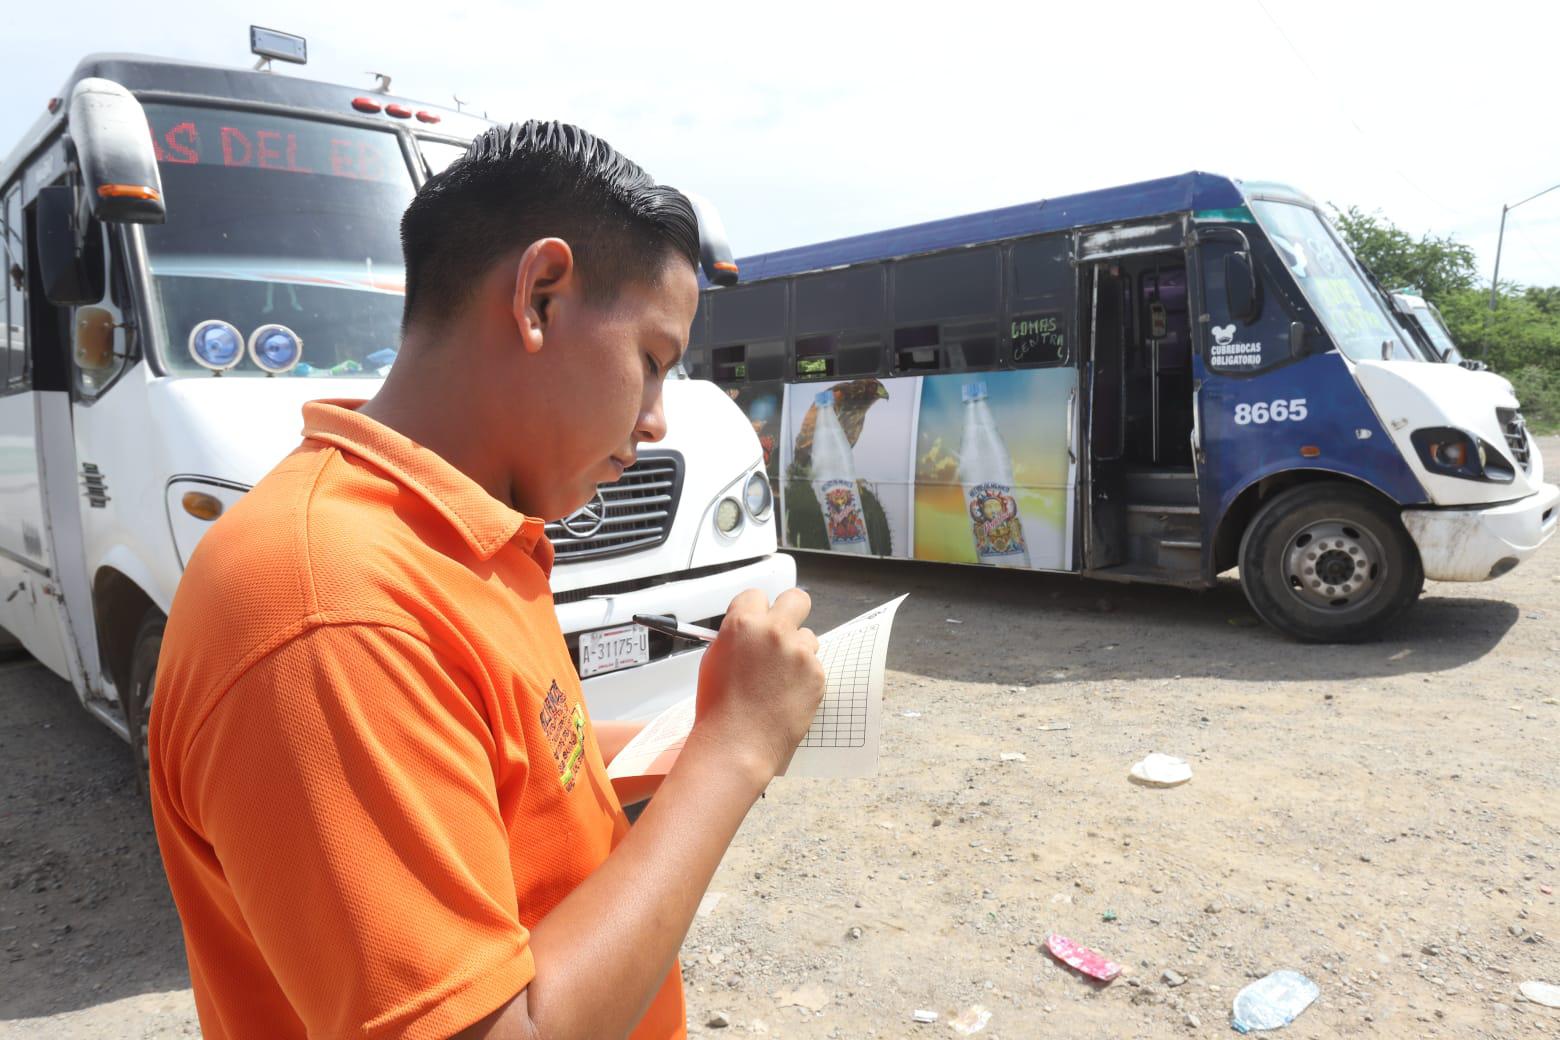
pixel 714 251
pixel 1240 287
pixel 95 339
pixel 119 171
pixel 69 266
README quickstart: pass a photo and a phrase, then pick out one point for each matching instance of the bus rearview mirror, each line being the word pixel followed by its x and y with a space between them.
pixel 118 163
pixel 1240 286
pixel 69 266
pixel 714 250
pixel 94 340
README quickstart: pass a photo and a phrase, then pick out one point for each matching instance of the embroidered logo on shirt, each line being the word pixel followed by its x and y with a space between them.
pixel 565 731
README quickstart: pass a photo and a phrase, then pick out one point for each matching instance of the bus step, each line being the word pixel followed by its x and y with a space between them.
pixel 1180 577
pixel 1167 543
pixel 1168 510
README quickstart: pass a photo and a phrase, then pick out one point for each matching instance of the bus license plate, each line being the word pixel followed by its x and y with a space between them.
pixel 608 649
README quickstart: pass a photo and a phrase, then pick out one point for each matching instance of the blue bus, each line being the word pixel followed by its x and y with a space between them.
pixel 1160 382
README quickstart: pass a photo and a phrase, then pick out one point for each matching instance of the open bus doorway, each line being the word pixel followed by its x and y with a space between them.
pixel 1142 499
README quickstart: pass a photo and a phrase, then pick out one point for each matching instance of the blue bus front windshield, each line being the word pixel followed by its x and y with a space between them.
pixel 273 219
pixel 1355 317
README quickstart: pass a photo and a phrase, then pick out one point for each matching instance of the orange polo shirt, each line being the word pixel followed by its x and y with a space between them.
pixel 372 767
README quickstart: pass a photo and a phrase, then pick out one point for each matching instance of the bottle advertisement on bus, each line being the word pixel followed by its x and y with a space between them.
pixel 966 468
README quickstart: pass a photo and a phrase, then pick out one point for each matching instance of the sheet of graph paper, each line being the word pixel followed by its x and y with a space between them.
pixel 843 738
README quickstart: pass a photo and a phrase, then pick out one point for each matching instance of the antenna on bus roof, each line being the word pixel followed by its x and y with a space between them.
pixel 458 102
pixel 383 86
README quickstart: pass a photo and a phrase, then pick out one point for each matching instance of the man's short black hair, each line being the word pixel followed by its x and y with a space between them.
pixel 527 181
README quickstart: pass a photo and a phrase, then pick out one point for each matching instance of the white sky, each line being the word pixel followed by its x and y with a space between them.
pixel 811 120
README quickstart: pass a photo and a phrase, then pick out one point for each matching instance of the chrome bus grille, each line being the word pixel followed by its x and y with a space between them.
pixel 1515 430
pixel 631 514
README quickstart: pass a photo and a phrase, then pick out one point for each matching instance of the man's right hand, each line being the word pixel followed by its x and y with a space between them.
pixel 759 684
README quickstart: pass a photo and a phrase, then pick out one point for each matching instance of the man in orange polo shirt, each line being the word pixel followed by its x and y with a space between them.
pixel 381 803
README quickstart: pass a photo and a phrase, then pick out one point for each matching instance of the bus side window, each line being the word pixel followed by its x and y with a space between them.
pixel 918 349
pixel 838 323
pixel 13 300
pixel 696 359
pixel 815 357
pixel 766 360
pixel 729 364
pixel 1040 301
pixel 935 299
pixel 747 332
pixel 696 362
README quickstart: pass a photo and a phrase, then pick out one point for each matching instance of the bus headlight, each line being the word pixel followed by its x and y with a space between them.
pixel 275 348
pixel 216 345
pixel 757 496
pixel 728 516
pixel 1450 452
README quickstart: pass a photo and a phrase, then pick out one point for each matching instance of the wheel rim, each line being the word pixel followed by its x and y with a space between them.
pixel 144 747
pixel 1335 565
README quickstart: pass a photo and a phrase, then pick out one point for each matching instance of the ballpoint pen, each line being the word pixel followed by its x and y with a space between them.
pixel 669 626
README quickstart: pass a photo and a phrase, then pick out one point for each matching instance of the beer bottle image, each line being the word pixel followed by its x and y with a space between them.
pixel 834 480
pixel 986 472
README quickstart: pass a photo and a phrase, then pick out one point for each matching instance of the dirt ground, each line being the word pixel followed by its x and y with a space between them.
pixel 1383 818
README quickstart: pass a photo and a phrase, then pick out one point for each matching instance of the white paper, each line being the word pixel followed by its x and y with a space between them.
pixel 845 732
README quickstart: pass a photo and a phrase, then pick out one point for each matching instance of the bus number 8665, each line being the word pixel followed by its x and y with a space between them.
pixel 1292 410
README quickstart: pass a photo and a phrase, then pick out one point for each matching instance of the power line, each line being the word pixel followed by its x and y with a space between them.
pixel 1338 103
pixel 1532 247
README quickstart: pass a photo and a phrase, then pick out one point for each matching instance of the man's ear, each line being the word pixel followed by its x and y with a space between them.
pixel 544 278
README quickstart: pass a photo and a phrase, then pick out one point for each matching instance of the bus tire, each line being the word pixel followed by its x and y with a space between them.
pixel 144 652
pixel 1329 563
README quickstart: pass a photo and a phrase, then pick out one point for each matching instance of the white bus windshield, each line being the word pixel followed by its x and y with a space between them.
pixel 274 219
pixel 1355 317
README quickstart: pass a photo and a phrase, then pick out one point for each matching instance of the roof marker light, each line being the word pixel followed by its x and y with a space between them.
pixel 399 111
pixel 363 104
pixel 427 117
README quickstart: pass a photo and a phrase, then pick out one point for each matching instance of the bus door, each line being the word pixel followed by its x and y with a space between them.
pixel 31 601
pixel 1105 502
pixel 1142 496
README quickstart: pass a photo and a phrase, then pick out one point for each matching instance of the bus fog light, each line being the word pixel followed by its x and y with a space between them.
pixel 216 345
pixel 275 348
pixel 728 516
pixel 757 496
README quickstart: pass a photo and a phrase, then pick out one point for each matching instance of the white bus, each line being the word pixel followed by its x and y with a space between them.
pixel 171 300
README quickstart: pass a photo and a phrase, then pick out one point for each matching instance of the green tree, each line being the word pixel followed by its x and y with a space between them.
pixel 1520 339
pixel 1434 266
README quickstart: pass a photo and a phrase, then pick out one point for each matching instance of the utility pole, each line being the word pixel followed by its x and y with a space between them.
pixel 1501 239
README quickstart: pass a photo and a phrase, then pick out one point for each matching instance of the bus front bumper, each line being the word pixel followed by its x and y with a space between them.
pixel 642 692
pixel 1479 544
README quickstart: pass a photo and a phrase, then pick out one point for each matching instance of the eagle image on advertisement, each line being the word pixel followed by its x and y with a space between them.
pixel 804 524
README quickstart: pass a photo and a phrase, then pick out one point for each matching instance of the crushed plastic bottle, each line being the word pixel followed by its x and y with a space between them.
pixel 1159 770
pixel 1273 1001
